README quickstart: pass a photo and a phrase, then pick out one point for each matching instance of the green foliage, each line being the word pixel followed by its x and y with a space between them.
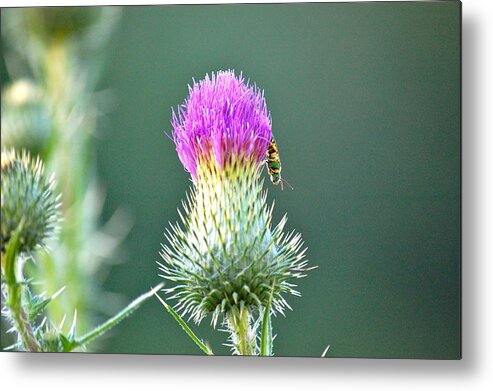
pixel 22 308
pixel 54 61
pixel 35 304
pixel 29 215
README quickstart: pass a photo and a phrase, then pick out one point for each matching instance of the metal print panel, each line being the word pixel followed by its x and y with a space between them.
pixel 263 179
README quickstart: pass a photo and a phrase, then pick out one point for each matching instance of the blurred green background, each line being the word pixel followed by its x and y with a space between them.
pixel 365 101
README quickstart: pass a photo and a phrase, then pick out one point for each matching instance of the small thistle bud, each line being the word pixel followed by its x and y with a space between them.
pixel 32 27
pixel 51 339
pixel 226 259
pixel 27 201
pixel 59 22
pixel 26 119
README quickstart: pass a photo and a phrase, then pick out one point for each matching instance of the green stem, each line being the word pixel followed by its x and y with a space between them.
pixel 70 157
pixel 266 334
pixel 110 323
pixel 23 327
pixel 14 294
pixel 266 338
pixel 243 336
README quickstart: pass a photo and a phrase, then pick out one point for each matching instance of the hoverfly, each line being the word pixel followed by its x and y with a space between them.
pixel 273 162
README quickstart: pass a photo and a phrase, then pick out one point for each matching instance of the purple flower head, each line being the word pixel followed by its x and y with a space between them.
pixel 223 118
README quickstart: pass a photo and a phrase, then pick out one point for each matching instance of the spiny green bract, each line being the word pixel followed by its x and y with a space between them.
pixel 227 256
pixel 28 202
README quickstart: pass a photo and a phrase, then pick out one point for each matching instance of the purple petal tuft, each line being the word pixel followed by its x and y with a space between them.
pixel 223 118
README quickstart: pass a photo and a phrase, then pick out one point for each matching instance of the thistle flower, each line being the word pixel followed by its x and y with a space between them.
pixel 28 201
pixel 227 259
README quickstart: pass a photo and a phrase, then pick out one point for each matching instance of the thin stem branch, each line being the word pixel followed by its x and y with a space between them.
pixel 101 329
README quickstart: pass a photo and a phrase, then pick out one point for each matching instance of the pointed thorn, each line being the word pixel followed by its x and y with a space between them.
pixel 54 295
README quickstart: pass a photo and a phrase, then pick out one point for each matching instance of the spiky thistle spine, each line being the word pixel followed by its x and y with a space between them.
pixel 226 254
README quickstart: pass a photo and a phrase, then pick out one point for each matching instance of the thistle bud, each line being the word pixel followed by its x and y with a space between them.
pixel 28 201
pixel 26 118
pixel 31 27
pixel 51 339
pixel 226 259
